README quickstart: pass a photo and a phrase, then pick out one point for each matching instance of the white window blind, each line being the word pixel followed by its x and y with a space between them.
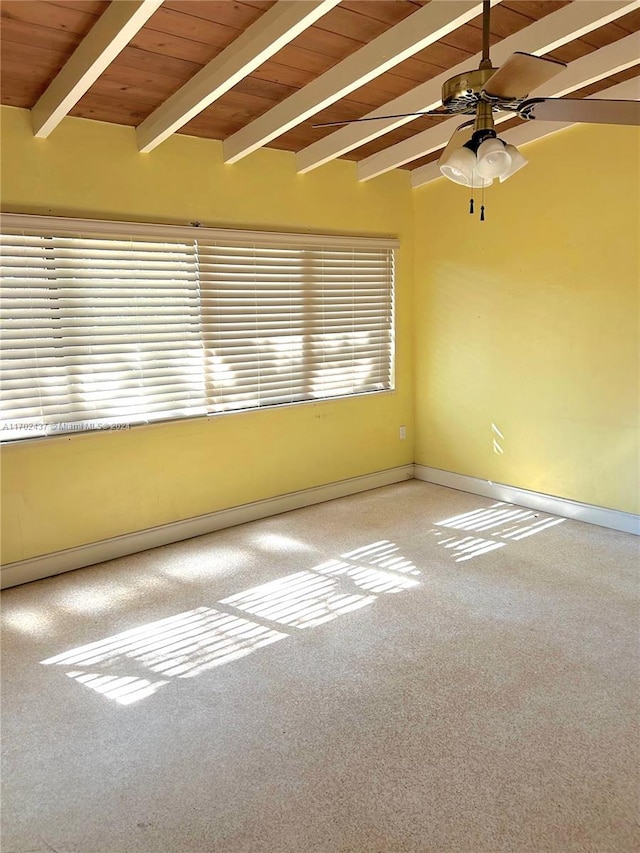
pixel 112 325
pixel 283 324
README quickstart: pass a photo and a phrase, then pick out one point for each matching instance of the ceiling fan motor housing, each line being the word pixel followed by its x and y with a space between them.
pixel 464 91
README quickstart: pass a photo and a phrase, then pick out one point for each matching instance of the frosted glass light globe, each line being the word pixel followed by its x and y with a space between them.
pixel 478 182
pixel 493 159
pixel 517 162
pixel 459 166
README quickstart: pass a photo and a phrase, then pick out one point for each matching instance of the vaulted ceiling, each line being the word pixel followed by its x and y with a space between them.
pixel 264 72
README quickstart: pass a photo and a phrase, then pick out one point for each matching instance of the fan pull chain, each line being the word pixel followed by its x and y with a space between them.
pixel 471 199
pixel 482 204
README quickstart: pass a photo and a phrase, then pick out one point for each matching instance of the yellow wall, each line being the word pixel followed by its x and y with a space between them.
pixel 66 491
pixel 529 322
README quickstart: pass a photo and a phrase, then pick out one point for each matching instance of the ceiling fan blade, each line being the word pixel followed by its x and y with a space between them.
pixel 521 74
pixel 588 110
pixel 439 112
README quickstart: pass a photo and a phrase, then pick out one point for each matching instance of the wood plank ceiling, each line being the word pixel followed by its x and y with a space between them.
pixel 182 36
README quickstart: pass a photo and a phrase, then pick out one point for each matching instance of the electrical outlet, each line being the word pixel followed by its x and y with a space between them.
pixel 403 432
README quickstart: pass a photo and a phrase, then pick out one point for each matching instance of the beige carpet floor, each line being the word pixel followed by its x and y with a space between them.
pixel 409 669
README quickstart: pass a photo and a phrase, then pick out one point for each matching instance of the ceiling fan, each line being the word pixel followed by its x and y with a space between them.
pixel 475 156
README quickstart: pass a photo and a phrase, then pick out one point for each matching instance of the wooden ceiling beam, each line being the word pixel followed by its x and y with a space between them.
pixel 271 32
pixel 424 27
pixel 532 130
pixel 105 40
pixel 615 57
pixel 543 36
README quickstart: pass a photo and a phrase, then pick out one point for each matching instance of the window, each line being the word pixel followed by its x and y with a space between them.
pixel 110 323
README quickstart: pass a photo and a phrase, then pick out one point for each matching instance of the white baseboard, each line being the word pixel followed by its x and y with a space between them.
pixel 36 568
pixel 615 519
pixel 47 565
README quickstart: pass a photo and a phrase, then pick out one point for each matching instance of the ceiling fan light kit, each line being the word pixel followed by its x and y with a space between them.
pixel 476 164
